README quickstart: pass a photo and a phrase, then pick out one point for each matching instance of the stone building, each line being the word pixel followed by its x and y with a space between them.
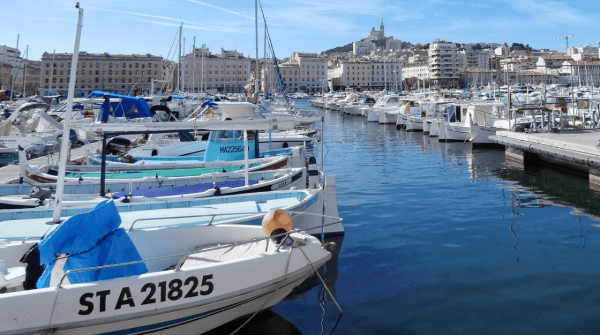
pixel 122 74
pixel 227 72
pixel 376 35
pixel 303 72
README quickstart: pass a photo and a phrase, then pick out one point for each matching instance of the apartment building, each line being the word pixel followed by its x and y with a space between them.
pixel 418 70
pixel 363 48
pixel 443 65
pixel 367 74
pixel 29 74
pixel 122 74
pixel 9 55
pixel 5 76
pixel 304 72
pixel 386 73
pixel 227 72
pixel 550 63
pixel 583 53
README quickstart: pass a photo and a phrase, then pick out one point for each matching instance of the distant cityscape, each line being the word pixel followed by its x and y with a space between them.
pixel 375 62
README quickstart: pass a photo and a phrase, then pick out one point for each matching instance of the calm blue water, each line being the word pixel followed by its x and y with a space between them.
pixel 444 239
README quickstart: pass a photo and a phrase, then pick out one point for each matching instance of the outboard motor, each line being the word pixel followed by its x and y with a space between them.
pixel 118 146
pixel 313 174
pixel 37 192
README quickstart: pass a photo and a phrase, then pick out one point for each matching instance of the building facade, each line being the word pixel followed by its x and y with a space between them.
pixel 303 72
pixel 5 76
pixel 363 48
pixel 9 55
pixel 367 74
pixel 121 74
pixel 227 72
pixel 443 64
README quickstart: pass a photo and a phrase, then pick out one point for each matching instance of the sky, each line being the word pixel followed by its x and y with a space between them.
pixel 151 26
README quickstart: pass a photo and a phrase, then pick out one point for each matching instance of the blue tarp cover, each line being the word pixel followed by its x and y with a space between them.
pixel 121 108
pixel 91 239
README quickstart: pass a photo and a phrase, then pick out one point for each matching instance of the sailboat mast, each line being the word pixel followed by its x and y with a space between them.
pixel 51 73
pixel 12 82
pixel 25 71
pixel 264 77
pixel 179 60
pixel 67 127
pixel 194 72
pixel 256 32
pixel 183 70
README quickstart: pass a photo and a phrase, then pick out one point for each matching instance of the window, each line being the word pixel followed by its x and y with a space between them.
pixel 155 66
pixel 46 80
pixel 137 65
pixel 61 73
pixel 83 65
pixel 62 65
pixel 47 64
pixel 47 73
pixel 97 72
pixel 96 79
pixel 97 64
pixel 144 65
pixel 130 66
pixel 110 65
pixel 123 66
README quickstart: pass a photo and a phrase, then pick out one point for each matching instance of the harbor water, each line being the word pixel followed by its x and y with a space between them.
pixel 446 239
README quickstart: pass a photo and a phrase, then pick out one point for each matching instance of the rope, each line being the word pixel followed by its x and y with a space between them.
pixel 275 291
pixel 323 283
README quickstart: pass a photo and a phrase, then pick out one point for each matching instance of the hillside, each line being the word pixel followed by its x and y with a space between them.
pixel 348 47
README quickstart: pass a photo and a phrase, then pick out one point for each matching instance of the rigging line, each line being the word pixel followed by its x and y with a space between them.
pixel 272 50
pixel 172 44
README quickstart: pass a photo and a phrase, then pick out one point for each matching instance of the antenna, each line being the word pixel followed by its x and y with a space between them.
pixel 566 38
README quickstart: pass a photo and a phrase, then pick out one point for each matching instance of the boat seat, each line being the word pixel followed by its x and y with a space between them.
pixel 224 254
pixel 11 278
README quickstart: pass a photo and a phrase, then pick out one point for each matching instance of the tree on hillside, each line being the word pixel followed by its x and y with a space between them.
pixel 517 46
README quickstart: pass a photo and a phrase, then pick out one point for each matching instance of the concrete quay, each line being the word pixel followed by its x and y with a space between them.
pixel 571 149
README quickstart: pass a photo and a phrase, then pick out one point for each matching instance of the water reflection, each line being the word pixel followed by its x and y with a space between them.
pixel 555 187
pixel 270 323
pixel 267 322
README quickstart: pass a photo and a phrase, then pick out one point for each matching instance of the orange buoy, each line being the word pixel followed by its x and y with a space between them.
pixel 277 221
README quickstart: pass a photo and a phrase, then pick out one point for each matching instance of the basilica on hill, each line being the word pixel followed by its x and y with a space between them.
pixel 376 35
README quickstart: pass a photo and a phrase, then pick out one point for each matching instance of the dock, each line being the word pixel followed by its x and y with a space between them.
pixel 571 149
pixel 10 172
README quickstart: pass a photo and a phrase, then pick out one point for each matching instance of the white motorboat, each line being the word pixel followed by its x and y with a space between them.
pixel 186 279
pixel 387 102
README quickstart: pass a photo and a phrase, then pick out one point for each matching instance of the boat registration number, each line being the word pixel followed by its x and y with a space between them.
pixel 173 290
